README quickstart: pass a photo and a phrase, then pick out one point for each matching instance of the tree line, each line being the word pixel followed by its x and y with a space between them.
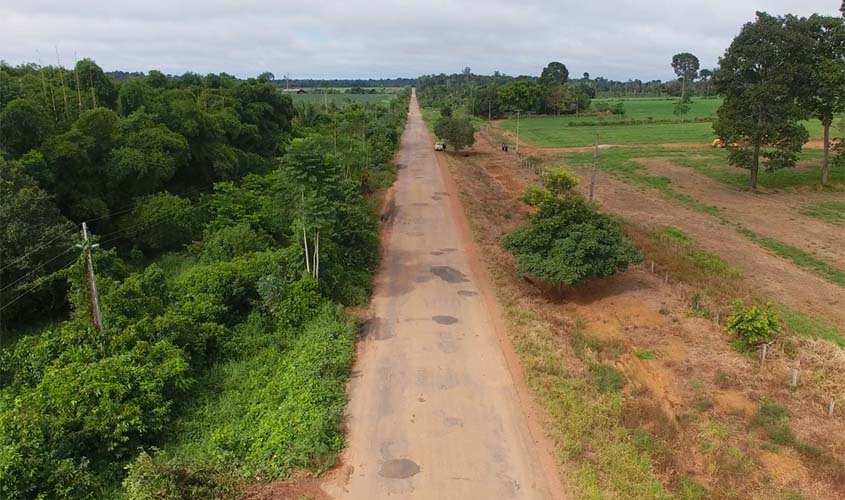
pixel 229 224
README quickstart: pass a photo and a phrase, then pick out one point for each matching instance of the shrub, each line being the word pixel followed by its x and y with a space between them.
pixel 457 132
pixel 752 326
pixel 166 222
pixel 233 241
pixel 560 181
pixel 162 478
pixel 568 241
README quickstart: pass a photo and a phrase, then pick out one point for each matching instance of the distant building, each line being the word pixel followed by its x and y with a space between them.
pixel 295 91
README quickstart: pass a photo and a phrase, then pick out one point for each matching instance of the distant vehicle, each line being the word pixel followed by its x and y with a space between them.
pixel 440 146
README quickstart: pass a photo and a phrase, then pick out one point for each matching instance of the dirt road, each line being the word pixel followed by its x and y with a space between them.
pixel 436 405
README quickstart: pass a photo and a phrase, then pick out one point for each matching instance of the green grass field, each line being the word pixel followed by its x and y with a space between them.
pixel 555 131
pixel 830 211
pixel 343 99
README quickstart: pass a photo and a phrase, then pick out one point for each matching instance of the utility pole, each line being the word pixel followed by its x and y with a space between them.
pixel 96 315
pixel 595 166
pixel 517 132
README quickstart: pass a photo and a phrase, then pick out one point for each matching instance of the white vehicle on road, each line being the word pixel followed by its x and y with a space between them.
pixel 440 146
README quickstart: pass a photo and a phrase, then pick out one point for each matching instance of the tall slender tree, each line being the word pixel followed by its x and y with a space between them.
pixel 822 83
pixel 686 67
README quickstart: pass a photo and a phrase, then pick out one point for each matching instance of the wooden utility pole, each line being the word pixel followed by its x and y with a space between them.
pixel 96 315
pixel 595 166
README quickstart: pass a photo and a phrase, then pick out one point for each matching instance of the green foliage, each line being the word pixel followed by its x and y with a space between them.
pixel 457 132
pixel 230 242
pixel 162 222
pixel 752 325
pixel 24 125
pixel 568 241
pixel 162 478
pixel 760 111
pixel 560 181
pixel 646 354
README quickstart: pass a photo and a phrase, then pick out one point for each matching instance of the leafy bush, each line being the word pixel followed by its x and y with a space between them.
pixel 752 326
pixel 568 241
pixel 560 181
pixel 457 132
pixel 162 478
pixel 163 222
pixel 232 241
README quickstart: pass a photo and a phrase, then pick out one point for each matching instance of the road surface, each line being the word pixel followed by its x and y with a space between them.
pixel 434 410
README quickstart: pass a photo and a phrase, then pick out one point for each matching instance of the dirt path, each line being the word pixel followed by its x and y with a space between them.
pixel 775 276
pixel 774 215
pixel 437 407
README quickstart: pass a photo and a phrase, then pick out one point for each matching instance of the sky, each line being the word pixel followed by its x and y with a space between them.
pixel 617 39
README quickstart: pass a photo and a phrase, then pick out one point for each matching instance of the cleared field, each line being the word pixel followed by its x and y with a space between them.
pixel 343 99
pixel 556 131
pixel 653 109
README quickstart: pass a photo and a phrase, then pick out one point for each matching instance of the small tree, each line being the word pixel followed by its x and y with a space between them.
pixel 568 240
pixel 458 132
pixel 752 326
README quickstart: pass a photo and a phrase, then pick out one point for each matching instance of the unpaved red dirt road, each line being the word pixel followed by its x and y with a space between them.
pixel 437 408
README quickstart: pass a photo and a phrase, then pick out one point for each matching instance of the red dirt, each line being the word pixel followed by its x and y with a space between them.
pixel 774 215
pixel 696 377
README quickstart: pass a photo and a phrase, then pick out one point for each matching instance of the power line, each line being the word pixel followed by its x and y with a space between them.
pixel 8 285
pixel 36 284
pixel 39 247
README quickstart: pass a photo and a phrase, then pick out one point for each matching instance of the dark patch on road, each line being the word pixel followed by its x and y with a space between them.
pixel 467 293
pixel 420 204
pixel 389 213
pixel 400 468
pixel 449 274
pixel 435 198
pixel 441 193
pixel 445 320
pixel 436 253
pixel 375 329
pixel 454 422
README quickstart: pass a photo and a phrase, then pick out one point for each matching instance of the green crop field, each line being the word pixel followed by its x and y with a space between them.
pixel 558 131
pixel 343 99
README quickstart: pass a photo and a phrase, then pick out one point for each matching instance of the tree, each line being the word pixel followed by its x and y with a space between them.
pixel 458 132
pixel 568 240
pixel 706 75
pixel 554 73
pixel 759 113
pixel 522 94
pixel 823 81
pixel 686 67
pixel 266 77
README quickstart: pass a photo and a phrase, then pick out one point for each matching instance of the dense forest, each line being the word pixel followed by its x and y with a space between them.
pixel 227 230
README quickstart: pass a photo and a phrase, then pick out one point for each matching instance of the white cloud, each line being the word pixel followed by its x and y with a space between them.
pixel 617 39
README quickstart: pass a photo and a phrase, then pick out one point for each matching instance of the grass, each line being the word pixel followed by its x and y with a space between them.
pixel 273 408
pixel 342 99
pixel 646 354
pixel 555 131
pixel 803 325
pixel 828 211
pixel 713 163
pixel 621 162
pixel 587 416
pixel 798 257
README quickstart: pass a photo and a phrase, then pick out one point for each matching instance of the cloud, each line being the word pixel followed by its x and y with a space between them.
pixel 617 39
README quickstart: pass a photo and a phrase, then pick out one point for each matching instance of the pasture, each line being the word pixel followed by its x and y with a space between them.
pixel 318 98
pixel 564 130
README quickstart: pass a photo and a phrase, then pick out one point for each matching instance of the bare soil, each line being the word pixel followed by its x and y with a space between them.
pixel 695 378
pixel 774 215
